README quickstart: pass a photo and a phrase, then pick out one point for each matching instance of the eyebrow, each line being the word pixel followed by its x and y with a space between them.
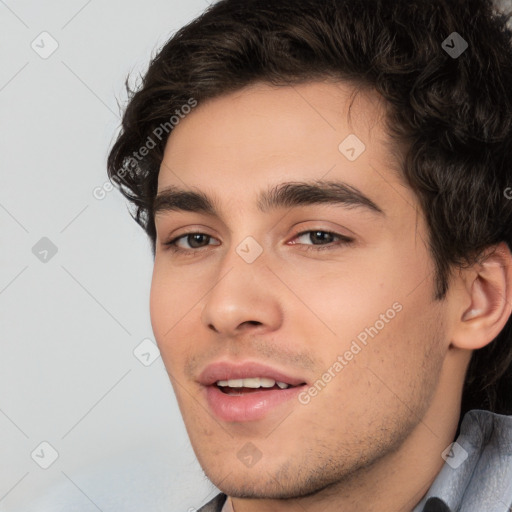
pixel 284 195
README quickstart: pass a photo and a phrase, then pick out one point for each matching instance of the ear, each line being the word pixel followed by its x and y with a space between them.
pixel 485 299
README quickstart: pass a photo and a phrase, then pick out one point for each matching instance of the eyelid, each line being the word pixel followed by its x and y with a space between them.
pixel 191 229
pixel 172 240
pixel 330 231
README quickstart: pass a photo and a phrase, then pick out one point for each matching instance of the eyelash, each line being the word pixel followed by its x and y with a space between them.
pixel 344 240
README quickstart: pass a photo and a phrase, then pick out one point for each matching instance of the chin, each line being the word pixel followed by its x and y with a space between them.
pixel 265 481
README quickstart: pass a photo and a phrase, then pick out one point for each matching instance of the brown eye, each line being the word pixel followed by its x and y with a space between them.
pixel 194 240
pixel 325 239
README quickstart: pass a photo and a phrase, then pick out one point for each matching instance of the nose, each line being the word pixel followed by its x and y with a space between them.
pixel 244 298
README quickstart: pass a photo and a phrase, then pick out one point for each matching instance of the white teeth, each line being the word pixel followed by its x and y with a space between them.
pixel 265 383
pixel 253 382
pixel 256 382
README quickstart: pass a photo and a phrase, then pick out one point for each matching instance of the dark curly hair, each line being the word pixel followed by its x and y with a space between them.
pixel 449 116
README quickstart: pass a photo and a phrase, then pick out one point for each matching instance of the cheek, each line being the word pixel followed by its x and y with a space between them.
pixel 380 382
pixel 170 304
pixel 380 315
pixel 160 302
pixel 347 299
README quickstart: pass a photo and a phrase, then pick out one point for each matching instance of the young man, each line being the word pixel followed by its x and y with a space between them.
pixel 327 188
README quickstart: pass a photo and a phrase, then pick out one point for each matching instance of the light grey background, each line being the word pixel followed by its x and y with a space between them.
pixel 69 326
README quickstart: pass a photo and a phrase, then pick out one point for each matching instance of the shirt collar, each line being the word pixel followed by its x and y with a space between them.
pixel 436 505
pixel 477 474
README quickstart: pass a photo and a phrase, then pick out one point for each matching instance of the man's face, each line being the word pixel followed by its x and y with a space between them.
pixel 335 298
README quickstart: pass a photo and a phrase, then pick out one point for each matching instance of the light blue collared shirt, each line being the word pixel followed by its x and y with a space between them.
pixel 477 474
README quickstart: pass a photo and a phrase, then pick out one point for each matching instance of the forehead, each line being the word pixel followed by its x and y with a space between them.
pixel 265 135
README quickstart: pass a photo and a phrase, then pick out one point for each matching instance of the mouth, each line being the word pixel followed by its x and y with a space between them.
pixel 238 387
pixel 247 392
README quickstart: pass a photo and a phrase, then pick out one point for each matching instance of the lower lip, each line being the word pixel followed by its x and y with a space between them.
pixel 250 406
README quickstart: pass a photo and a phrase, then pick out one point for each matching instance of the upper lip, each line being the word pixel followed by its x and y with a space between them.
pixel 223 370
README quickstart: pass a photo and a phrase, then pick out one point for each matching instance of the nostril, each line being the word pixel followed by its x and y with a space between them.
pixel 248 325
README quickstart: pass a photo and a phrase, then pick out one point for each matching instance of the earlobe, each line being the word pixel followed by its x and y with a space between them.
pixel 489 289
